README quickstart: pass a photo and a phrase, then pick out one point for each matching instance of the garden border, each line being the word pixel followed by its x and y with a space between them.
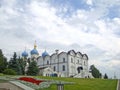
pixel 24 87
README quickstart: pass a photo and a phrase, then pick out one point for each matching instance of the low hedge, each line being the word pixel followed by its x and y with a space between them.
pixel 9 72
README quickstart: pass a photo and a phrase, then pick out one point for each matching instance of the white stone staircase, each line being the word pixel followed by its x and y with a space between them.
pixel 79 75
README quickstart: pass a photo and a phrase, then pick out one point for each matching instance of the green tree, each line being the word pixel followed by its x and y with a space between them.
pixel 15 64
pixel 95 72
pixel 22 65
pixel 3 62
pixel 33 69
pixel 105 76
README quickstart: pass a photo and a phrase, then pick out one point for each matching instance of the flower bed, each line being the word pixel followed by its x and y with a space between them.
pixel 30 79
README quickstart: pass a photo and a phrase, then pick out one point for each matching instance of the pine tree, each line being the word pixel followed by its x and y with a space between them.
pixel 15 64
pixel 3 62
pixel 105 76
pixel 22 65
pixel 33 69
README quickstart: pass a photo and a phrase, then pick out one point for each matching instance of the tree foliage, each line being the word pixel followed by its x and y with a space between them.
pixel 22 65
pixel 105 76
pixel 33 69
pixel 15 64
pixel 3 62
pixel 95 72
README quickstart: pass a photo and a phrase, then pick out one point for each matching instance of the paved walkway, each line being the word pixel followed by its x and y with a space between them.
pixel 118 85
pixel 14 85
pixel 24 87
pixel 9 86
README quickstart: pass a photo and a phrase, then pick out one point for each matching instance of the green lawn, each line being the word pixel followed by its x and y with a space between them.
pixel 85 84
pixel 80 84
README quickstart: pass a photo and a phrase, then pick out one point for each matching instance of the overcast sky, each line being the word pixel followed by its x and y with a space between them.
pixel 88 26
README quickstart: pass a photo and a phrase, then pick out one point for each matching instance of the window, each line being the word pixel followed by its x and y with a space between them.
pixel 54 61
pixel 63 67
pixel 47 74
pixel 47 62
pixel 84 62
pixel 54 68
pixel 63 59
pixel 71 60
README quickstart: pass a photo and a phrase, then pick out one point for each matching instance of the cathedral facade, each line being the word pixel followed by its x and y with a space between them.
pixel 63 64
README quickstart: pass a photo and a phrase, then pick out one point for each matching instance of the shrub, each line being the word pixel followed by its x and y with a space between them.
pixel 1 74
pixel 9 72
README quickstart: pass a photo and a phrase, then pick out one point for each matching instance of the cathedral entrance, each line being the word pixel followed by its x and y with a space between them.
pixel 79 69
pixel 54 75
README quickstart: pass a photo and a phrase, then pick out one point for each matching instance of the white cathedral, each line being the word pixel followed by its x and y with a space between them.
pixel 63 64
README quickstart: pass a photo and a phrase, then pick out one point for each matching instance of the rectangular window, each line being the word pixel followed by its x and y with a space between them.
pixel 54 61
pixel 63 59
pixel 63 67
pixel 54 68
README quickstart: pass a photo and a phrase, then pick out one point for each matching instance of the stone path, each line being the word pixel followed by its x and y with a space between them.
pixel 14 85
pixel 118 85
pixel 9 86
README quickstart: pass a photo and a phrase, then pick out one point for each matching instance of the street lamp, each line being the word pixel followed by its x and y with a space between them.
pixel 60 86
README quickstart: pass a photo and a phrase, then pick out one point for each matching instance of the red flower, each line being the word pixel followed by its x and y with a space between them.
pixel 29 79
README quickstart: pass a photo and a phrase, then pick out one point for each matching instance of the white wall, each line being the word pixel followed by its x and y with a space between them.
pixel 62 62
pixel 70 67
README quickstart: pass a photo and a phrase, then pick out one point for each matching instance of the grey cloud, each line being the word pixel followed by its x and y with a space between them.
pixel 19 29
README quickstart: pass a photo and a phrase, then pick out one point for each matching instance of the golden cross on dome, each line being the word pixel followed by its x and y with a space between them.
pixel 35 45
pixel 25 48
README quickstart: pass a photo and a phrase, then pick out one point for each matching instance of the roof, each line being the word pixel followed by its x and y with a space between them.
pixel 45 54
pixel 34 51
pixel 24 54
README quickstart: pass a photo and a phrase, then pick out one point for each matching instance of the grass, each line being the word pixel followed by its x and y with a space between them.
pixel 84 84
pixel 80 84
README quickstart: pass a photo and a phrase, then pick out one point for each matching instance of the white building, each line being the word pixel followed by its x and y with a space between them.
pixel 63 64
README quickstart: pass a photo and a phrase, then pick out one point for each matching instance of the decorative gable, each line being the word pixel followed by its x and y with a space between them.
pixel 85 56
pixel 72 52
pixel 78 54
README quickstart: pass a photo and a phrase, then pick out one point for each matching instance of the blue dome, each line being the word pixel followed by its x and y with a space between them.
pixel 24 54
pixel 34 51
pixel 44 54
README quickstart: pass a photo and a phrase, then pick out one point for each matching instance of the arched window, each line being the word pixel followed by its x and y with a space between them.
pixel 63 67
pixel 47 62
pixel 54 68
pixel 63 59
pixel 78 61
pixel 71 60
pixel 84 62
